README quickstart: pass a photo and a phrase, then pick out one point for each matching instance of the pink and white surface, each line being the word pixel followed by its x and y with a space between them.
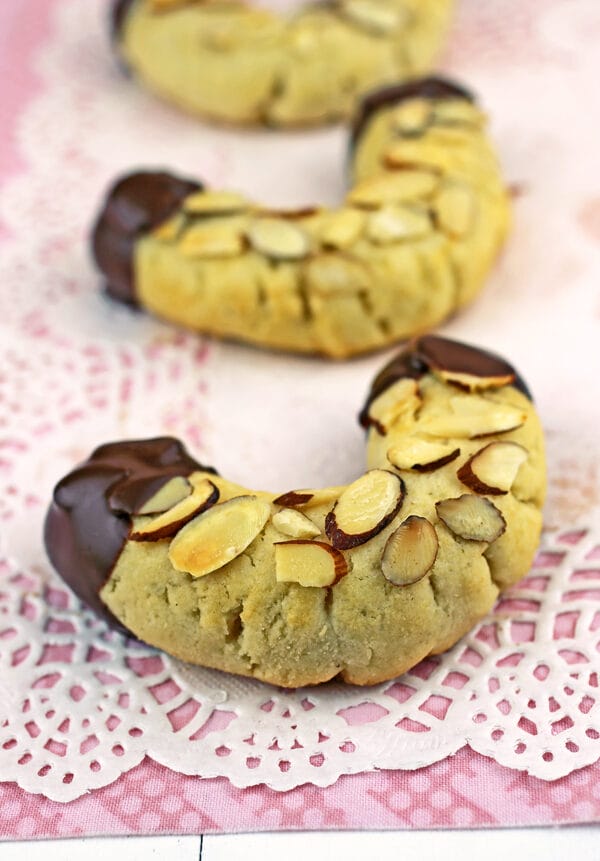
pixel 102 736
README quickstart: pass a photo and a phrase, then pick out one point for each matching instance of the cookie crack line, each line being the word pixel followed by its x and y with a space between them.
pixel 295 588
pixel 413 241
pixel 238 64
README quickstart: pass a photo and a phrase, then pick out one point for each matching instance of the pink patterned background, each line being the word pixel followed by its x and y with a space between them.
pixel 467 790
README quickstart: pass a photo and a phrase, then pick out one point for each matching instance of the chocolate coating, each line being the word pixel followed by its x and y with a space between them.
pixel 135 205
pixel 431 353
pixel 422 88
pixel 89 519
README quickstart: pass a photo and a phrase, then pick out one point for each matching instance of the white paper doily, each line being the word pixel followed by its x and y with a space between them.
pixel 78 704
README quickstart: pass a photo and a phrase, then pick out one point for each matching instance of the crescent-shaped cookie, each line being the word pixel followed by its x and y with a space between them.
pixel 236 63
pixel 361 581
pixel 414 240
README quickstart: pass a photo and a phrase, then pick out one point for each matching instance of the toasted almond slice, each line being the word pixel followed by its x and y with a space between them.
pixel 473 518
pixel 410 552
pixel 294 497
pixel 295 524
pixel 397 223
pixel 308 498
pixel 412 117
pixel 170 522
pixel 397 404
pixel 472 382
pixel 309 563
pixel 342 228
pixel 218 535
pixel 214 203
pixel 393 188
pixel 474 417
pixel 454 208
pixel 493 469
pixel 278 238
pixel 172 492
pixel 211 240
pixel 420 455
pixel 365 508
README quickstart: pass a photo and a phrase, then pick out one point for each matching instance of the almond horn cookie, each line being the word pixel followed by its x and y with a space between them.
pixel 296 588
pixel 231 62
pixel 412 242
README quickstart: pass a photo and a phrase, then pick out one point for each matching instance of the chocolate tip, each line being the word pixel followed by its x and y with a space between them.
pixel 89 519
pixel 432 87
pixel 432 352
pixel 135 204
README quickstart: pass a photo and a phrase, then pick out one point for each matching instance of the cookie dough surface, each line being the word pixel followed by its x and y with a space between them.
pixel 237 63
pixel 414 240
pixel 361 581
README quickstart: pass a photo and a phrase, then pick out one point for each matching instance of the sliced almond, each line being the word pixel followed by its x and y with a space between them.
pixel 454 208
pixel 376 17
pixel 168 523
pixel 396 223
pixel 308 498
pixel 365 508
pixel 295 524
pixel 412 117
pixel 294 497
pixel 309 563
pixel 169 494
pixel 278 238
pixel 472 382
pixel 473 518
pixel 218 535
pixel 493 469
pixel 342 228
pixel 398 403
pixel 214 240
pixel 410 552
pixel 393 188
pixel 474 417
pixel 214 203
pixel 457 112
pixel 420 455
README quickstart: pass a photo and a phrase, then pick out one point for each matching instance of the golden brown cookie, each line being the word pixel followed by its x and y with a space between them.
pixel 413 241
pixel 236 63
pixel 361 581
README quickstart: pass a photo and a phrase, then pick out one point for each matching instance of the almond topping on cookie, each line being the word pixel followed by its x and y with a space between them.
pixel 214 203
pixel 412 117
pixel 473 417
pixel 167 524
pixel 393 188
pixel 410 552
pixel 342 228
pixel 211 240
pixel 473 518
pixel 420 455
pixel 376 17
pixel 309 563
pixel 295 524
pixel 396 223
pixel 397 404
pixel 493 469
pixel 365 508
pixel 279 239
pixel 218 535
pixel 169 494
